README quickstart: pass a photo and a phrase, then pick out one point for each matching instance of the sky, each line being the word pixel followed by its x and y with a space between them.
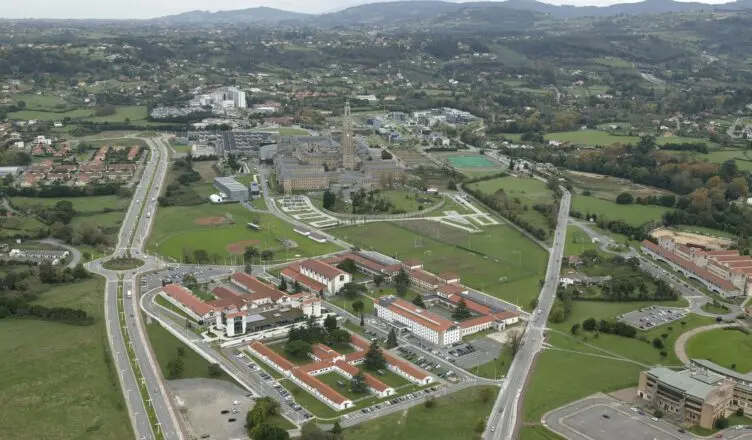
pixel 158 8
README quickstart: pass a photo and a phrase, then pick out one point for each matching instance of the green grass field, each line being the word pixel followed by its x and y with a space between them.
pixel 727 348
pixel 165 347
pixel 136 114
pixel 407 200
pixel 175 232
pixel 500 261
pixel 286 131
pixel 453 417
pixel 470 161
pixel 633 214
pixel 538 433
pixel 577 241
pixel 341 301
pixel 592 137
pixel 57 373
pixel 105 220
pixel 80 204
pixel 334 380
pixel 528 191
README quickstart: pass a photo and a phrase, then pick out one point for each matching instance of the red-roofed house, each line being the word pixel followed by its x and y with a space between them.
pixel 259 292
pixel 330 276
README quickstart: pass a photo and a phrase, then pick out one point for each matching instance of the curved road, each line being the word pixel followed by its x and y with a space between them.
pixel 681 341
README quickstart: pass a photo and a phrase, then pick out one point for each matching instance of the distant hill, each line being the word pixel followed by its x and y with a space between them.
pixel 251 15
pixel 421 11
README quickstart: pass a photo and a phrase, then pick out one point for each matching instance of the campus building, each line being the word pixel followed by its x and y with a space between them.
pixel 316 276
pixel 420 322
pixel 328 360
pixel 692 397
pixel 742 397
pixel 231 189
pixel 245 305
pixel 725 272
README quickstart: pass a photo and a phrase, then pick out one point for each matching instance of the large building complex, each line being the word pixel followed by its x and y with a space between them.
pixel 723 271
pixel 693 397
pixel 328 360
pixel 231 189
pixel 245 305
pixel 443 290
pixel 742 382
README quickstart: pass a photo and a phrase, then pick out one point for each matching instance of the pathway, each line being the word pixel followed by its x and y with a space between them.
pixel 681 341
pixel 75 253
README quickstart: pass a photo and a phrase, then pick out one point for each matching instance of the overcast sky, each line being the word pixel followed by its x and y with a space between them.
pixel 156 8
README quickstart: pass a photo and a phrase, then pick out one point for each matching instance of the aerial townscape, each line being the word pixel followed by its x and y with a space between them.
pixel 401 220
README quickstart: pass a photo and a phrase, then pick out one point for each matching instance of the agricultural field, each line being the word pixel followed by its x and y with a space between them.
pixel 92 204
pixel 728 348
pixel 454 416
pixel 529 192
pixel 221 231
pixel 60 373
pixel 633 214
pixel 499 261
pixel 136 114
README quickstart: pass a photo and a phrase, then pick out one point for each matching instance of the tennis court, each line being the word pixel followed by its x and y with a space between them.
pixel 470 162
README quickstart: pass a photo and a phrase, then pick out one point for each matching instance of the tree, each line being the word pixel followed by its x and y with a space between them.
pixel 378 280
pixel 625 198
pixel 351 290
pixel 391 339
pixel 358 306
pixel 348 265
pixel 374 359
pixel 451 185
pixel 430 402
pixel 329 200
pixel 298 349
pixel 461 312
pixel 589 324
pixel 480 426
pixel 250 253
pixel 283 285
pixel 658 343
pixel 269 432
pixel 575 328
pixel 330 323
pixel 402 282
pixel 310 431
pixel 515 341
pixel 358 384
pixel 362 321
pixel 267 255
pixel 175 367
pixel 721 423
pixel 658 413
pixel 296 287
pixel 418 301
pixel 215 370
pixel 337 428
pixel 486 395
pixel 739 412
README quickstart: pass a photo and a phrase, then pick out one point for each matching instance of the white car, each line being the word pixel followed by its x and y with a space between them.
pixel 655 419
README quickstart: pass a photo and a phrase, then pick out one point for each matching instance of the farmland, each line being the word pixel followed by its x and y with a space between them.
pixel 59 373
pixel 179 231
pixel 499 261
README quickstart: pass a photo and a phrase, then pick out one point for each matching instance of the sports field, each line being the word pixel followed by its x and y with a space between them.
pixel 57 373
pixel 474 161
pixel 181 230
pixel 727 348
pixel 633 214
pixel 499 261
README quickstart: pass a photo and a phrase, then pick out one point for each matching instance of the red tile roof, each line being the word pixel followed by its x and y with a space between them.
pixel 320 386
pixel 448 276
pixel 323 352
pixel 505 314
pixel 719 253
pixel 426 277
pixel 323 269
pixel 359 342
pixel 472 305
pixel 374 383
pixel 690 266
pixel 411 263
pixel 293 272
pixel 257 288
pixel 451 289
pixel 476 321
pixel 408 368
pixel 272 355
pixel 186 298
pixel 347 368
pixel 223 293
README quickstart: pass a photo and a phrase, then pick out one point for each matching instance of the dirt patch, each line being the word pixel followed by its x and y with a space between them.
pixel 210 221
pixel 238 247
pixel 692 238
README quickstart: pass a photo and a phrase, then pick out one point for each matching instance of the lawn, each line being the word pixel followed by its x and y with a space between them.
pixel 499 261
pixel 635 215
pixel 562 377
pixel 42 102
pixel 334 379
pixel 166 346
pixel 134 113
pixel 602 138
pixel 286 131
pixel 577 241
pixel 453 417
pixel 538 433
pixel 527 190
pixel 105 220
pixel 392 379
pixel 345 303
pixel 90 204
pixel 60 374
pixel 470 161
pixel 176 232
pixel 727 348
pixel 408 201
pixel 497 368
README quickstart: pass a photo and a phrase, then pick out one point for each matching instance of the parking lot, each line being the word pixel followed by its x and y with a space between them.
pixel 652 316
pixel 427 364
pixel 175 275
pixel 466 355
pixel 605 418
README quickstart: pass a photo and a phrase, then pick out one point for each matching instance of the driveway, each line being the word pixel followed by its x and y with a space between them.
pixel 75 253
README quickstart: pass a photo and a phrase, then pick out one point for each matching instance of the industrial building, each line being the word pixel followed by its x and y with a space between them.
pixel 231 189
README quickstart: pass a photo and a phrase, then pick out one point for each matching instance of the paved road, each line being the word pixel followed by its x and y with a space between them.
pixel 503 423
pixel 134 229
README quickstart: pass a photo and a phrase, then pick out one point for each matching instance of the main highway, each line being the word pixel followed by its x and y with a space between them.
pixel 133 232
pixel 503 421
